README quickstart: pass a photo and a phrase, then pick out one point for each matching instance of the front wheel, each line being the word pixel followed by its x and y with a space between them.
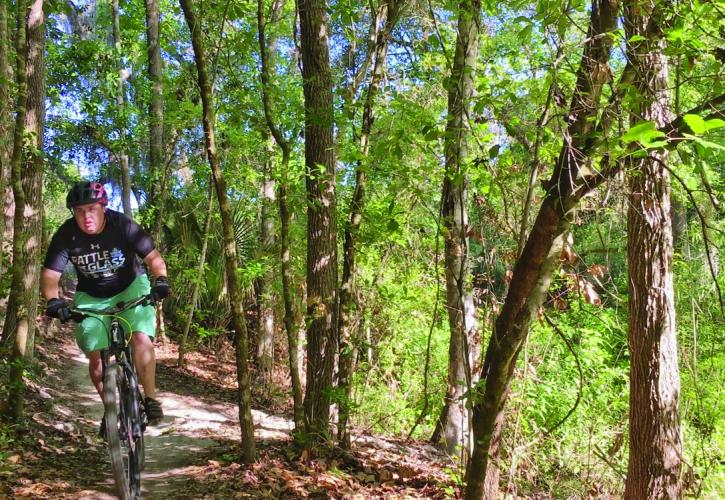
pixel 112 399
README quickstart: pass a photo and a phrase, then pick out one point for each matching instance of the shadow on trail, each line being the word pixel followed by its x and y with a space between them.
pixel 187 384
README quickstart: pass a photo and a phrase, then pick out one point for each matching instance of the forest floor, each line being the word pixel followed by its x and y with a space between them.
pixel 194 452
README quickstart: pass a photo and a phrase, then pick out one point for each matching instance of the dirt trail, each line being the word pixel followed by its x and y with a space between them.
pixel 180 442
pixel 194 452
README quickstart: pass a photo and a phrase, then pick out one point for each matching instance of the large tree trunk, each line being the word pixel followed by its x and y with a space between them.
pixel 6 104
pixel 266 73
pixel 230 249
pixel 454 212
pixel 321 217
pixel 655 442
pixel 533 270
pixel 27 189
pixel 384 21
pixel 125 169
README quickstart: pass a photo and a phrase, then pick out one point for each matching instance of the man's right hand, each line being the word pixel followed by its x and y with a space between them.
pixel 58 308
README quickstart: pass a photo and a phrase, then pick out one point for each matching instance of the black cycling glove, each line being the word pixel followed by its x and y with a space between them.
pixel 58 308
pixel 161 288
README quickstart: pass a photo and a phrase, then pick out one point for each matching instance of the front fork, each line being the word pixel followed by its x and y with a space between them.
pixel 124 358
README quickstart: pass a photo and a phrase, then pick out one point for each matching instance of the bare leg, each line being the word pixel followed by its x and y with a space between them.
pixel 95 369
pixel 145 361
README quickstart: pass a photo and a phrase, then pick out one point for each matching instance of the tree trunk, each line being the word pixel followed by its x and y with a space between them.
pixel 121 103
pixel 385 20
pixel 230 250
pixel 199 277
pixel 321 217
pixel 27 189
pixel 265 336
pixel 533 270
pixel 156 110
pixel 284 216
pixel 655 442
pixel 454 212
pixel 293 333
pixel 6 130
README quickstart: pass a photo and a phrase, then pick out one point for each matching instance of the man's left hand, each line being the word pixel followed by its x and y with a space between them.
pixel 161 288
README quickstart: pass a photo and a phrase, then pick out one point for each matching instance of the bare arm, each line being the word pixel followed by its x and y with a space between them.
pixel 49 281
pixel 155 264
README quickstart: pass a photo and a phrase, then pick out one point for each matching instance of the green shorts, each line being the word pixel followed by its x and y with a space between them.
pixel 92 333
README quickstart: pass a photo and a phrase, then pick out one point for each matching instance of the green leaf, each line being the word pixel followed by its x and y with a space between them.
pixel 696 124
pixel 644 133
pixel 706 144
pixel 636 38
pixel 713 124
pixel 493 152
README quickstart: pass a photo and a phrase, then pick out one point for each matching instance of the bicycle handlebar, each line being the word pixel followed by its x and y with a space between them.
pixel 78 315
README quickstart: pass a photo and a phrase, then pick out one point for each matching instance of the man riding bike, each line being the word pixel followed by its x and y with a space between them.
pixel 106 249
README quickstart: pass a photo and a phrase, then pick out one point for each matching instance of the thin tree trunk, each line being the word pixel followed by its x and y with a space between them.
pixel 230 249
pixel 199 276
pixel 293 333
pixel 6 131
pixel 321 218
pixel 459 293
pixel 156 107
pixel 284 216
pixel 533 270
pixel 655 442
pixel 385 20
pixel 27 189
pixel 121 103
pixel 265 335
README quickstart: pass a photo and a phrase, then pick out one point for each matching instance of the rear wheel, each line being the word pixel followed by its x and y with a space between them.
pixel 115 427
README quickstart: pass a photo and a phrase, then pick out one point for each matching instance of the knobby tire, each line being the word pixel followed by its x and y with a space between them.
pixel 111 404
pixel 134 431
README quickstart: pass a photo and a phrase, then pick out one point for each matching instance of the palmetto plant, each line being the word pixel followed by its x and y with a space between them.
pixel 185 235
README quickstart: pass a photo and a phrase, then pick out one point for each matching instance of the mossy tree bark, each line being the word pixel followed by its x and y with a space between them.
pixel 6 131
pixel 27 179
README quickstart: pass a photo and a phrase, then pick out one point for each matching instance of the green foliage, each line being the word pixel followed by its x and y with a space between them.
pixel 547 388
pixel 7 438
pixel 529 52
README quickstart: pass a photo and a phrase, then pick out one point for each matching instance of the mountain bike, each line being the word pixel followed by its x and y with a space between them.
pixel 124 413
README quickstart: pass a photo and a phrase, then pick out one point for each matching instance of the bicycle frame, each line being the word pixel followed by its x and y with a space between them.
pixel 121 397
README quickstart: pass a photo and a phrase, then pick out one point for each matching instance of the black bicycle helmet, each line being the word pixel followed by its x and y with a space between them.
pixel 83 193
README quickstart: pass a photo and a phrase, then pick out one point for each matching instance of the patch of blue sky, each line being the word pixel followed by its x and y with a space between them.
pixel 115 197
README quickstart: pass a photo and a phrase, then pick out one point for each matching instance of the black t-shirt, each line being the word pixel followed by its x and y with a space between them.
pixel 106 263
